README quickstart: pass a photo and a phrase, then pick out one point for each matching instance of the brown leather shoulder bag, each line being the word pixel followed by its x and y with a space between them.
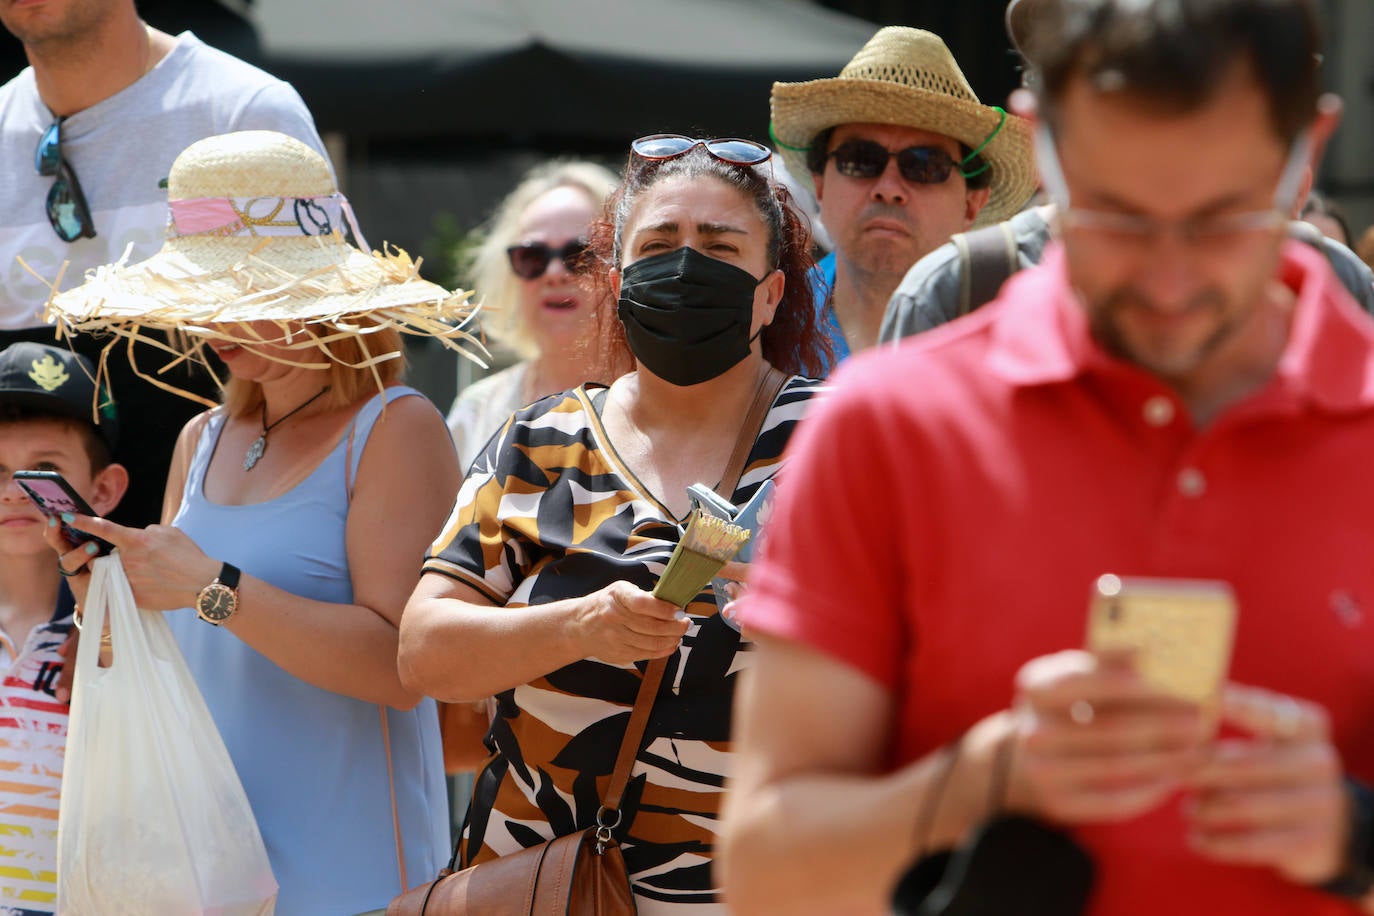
pixel 581 874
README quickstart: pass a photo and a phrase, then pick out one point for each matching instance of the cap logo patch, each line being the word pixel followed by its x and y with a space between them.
pixel 49 374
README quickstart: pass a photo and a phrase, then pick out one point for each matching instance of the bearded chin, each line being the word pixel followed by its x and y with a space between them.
pixel 1168 353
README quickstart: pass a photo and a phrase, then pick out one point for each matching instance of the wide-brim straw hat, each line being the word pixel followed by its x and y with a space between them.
pixel 257 231
pixel 907 77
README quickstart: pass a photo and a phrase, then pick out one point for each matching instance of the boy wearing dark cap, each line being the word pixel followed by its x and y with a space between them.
pixel 47 396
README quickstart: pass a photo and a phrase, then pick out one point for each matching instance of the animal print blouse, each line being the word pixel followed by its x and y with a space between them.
pixel 548 511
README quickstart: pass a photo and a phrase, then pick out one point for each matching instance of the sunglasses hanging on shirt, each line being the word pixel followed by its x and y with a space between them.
pixel 68 213
pixel 530 260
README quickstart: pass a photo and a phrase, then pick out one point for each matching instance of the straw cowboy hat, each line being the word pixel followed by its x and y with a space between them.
pixel 908 77
pixel 257 230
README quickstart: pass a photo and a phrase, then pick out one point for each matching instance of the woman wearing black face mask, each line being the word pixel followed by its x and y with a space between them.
pixel 539 589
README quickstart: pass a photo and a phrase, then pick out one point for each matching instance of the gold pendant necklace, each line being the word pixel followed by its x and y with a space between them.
pixel 259 445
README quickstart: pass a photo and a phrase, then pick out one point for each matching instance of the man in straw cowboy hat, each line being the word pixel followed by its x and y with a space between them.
pixel 87 132
pixel 966 273
pixel 901 155
pixel 1178 392
pixel 296 512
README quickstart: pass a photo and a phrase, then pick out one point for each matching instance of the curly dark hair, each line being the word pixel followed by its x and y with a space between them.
pixel 795 342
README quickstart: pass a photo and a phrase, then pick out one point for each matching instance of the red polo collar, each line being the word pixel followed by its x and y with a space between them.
pixel 1042 335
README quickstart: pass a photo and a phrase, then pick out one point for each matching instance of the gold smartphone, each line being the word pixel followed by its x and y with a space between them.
pixel 1180 631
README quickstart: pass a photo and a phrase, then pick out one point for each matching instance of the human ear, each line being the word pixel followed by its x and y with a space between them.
pixel 975 199
pixel 773 287
pixel 108 488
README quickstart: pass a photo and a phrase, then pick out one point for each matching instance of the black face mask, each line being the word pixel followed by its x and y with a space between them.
pixel 687 315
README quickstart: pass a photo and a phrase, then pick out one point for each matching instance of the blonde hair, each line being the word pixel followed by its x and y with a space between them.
pixel 488 268
pixel 348 382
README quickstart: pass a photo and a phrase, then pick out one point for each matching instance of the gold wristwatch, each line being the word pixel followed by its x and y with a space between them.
pixel 218 601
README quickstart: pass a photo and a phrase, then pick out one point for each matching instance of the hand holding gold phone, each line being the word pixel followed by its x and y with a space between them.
pixel 1179 631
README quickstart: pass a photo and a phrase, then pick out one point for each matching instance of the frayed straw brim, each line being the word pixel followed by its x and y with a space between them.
pixel 196 281
pixel 802 110
pixel 209 289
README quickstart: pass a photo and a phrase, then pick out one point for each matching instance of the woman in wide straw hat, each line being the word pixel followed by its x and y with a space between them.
pixel 296 513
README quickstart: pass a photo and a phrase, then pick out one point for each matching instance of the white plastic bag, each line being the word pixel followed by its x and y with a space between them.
pixel 154 819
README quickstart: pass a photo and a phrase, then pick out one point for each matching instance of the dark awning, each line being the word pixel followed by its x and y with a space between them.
pixel 590 69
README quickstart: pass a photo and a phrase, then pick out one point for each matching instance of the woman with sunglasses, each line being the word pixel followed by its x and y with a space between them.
pixel 527 271
pixel 539 590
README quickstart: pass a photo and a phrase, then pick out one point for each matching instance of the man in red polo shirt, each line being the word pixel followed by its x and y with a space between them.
pixel 1176 392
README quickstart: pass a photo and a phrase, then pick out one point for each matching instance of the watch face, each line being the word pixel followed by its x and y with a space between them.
pixel 217 602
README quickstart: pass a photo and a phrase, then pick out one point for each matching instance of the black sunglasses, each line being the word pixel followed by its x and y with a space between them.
pixel 68 213
pixel 530 260
pixel 917 164
pixel 730 150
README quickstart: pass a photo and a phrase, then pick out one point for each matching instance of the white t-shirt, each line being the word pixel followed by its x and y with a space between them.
pixel 120 149
pixel 482 408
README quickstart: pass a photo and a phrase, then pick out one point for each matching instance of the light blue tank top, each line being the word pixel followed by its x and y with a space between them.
pixel 312 761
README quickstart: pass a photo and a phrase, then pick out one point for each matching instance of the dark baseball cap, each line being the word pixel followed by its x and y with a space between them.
pixel 56 381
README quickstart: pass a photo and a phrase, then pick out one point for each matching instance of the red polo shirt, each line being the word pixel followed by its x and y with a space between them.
pixel 949 504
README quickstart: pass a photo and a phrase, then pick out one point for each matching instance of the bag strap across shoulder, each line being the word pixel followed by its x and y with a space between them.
pixel 768 389
pixel 634 736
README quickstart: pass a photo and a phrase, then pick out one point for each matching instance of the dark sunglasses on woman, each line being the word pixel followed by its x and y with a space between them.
pixel 68 213
pixel 530 260
pixel 867 159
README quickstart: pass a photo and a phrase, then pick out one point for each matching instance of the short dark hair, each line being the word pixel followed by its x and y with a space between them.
pixel 97 449
pixel 1174 53
pixel 819 151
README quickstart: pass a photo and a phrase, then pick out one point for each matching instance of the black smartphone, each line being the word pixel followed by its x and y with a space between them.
pixel 51 493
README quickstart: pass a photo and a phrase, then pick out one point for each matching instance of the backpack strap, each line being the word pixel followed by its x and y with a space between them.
pixel 987 257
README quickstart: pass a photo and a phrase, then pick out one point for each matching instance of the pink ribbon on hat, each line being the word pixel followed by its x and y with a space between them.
pixel 263 217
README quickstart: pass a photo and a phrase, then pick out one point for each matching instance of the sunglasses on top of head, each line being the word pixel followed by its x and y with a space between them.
pixel 68 213
pixel 530 260
pixel 868 159
pixel 730 150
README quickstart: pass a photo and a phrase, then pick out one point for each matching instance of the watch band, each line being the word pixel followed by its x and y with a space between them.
pixel 229 575
pixel 1356 879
